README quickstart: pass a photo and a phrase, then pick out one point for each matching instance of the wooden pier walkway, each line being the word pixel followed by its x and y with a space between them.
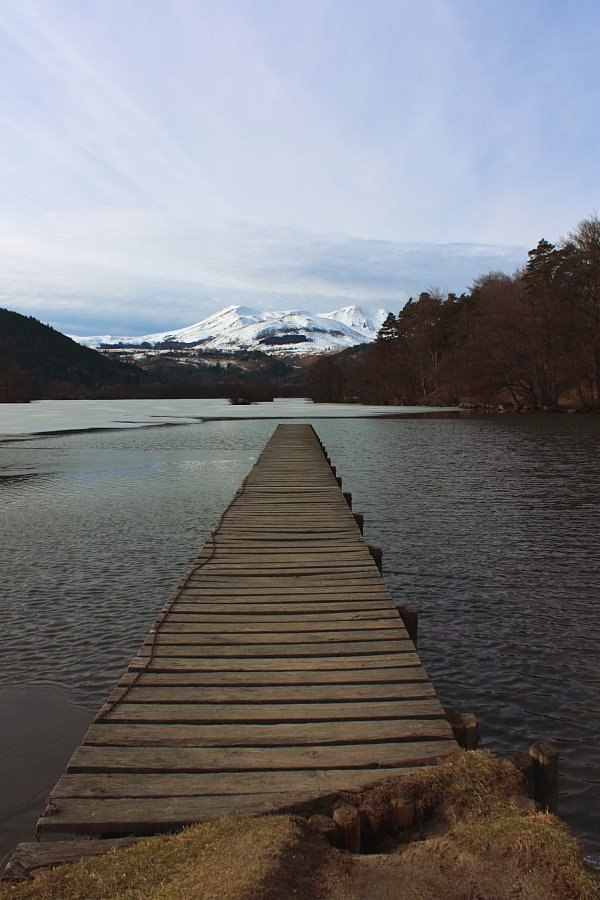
pixel 279 672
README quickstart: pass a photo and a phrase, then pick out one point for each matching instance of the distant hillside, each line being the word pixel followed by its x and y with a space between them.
pixel 37 362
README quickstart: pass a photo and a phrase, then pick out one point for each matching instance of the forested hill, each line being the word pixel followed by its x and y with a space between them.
pixel 529 340
pixel 37 362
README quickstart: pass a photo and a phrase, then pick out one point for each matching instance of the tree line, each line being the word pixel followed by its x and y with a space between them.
pixel 530 340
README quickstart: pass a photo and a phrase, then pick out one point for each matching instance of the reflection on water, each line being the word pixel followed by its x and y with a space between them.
pixel 489 525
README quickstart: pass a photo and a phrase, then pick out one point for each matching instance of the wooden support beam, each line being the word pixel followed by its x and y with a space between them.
pixel 31 858
pixel 347 819
pixel 410 616
pixel 374 824
pixel 545 774
pixel 377 554
pixel 402 814
pixel 465 728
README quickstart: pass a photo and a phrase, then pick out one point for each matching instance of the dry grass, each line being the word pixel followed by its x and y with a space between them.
pixel 477 837
pixel 493 818
pixel 476 808
pixel 230 859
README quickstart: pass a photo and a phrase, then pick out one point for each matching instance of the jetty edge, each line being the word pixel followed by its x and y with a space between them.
pixel 278 676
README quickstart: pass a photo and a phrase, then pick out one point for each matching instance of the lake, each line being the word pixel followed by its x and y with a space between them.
pixel 489 524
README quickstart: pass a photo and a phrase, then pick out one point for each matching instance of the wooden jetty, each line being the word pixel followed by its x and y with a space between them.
pixel 279 672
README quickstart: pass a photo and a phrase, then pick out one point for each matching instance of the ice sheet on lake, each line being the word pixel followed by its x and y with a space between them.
pixel 81 415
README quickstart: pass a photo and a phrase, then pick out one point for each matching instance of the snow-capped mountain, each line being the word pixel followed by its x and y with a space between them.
pixel 241 328
pixel 356 318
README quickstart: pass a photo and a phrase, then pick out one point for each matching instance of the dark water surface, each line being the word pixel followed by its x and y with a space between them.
pixel 490 525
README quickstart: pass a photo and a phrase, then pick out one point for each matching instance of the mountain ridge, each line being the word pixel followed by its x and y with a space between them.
pixel 235 328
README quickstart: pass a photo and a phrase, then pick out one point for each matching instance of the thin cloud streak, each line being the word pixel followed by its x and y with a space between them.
pixel 126 273
pixel 290 149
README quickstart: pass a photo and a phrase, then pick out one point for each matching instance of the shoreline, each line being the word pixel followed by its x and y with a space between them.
pixel 42 727
pixel 462 829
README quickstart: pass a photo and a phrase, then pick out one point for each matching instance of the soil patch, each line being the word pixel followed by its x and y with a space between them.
pixel 476 836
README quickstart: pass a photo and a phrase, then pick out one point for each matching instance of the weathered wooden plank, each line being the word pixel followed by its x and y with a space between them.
pixel 207 784
pixel 283 505
pixel 312 574
pixel 222 556
pixel 346 677
pixel 322 601
pixel 264 651
pixel 229 533
pixel 31 858
pixel 278 542
pixel 235 627
pixel 232 539
pixel 424 704
pixel 171 636
pixel 287 587
pixel 285 664
pixel 320 550
pixel 277 605
pixel 373 589
pixel 252 759
pixel 232 609
pixel 291 530
pixel 144 816
pixel 290 734
pixel 281 618
pixel 274 514
pixel 309 693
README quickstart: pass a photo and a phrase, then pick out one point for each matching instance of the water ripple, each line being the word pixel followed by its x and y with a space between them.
pixel 489 525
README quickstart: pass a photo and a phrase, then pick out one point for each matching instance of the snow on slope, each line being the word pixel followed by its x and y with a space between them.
pixel 358 319
pixel 226 320
pixel 291 331
pixel 295 331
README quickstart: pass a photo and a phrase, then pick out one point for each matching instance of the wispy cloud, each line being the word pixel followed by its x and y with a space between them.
pixel 126 272
pixel 222 146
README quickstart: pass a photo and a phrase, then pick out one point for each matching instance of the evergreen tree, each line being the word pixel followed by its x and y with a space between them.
pixel 389 329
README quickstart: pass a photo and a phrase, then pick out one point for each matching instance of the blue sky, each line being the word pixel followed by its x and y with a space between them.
pixel 162 159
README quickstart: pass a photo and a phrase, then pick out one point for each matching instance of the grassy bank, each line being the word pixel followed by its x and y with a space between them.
pixel 476 835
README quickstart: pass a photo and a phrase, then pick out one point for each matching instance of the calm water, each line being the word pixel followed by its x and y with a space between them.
pixel 489 525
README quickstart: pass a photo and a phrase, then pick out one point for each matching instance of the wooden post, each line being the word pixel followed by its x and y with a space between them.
pixel 402 813
pixel 410 616
pixel 333 468
pixel 374 824
pixel 360 521
pixel 545 774
pixel 465 728
pixel 524 763
pixel 377 554
pixel 339 480
pixel 347 819
pixel 348 498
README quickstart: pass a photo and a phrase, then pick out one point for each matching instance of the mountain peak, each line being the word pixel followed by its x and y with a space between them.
pixel 284 331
